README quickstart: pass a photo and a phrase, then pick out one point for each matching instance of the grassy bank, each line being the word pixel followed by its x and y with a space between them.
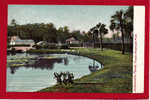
pixel 115 77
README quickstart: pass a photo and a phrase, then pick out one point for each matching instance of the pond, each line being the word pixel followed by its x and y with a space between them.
pixel 32 72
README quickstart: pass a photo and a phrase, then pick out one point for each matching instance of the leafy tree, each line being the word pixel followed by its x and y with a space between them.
pixel 98 32
pixel 12 29
pixel 77 35
pixel 94 33
pixel 45 32
pixel 129 24
pixel 62 34
pixel 118 22
pixel 112 26
pixel 51 33
pixel 101 31
pixel 88 37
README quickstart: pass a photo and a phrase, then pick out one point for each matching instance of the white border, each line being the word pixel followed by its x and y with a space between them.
pixel 138 49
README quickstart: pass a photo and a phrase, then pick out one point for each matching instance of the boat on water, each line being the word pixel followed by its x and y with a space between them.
pixel 93 67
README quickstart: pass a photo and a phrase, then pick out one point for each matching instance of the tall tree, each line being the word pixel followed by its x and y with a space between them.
pixel 12 28
pixel 112 28
pixel 93 31
pixel 118 19
pixel 129 25
pixel 98 32
pixel 101 32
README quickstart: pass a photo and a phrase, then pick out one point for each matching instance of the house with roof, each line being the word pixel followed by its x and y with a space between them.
pixel 15 40
pixel 72 40
pixel 20 44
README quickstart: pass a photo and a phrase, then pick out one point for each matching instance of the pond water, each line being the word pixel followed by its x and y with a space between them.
pixel 32 72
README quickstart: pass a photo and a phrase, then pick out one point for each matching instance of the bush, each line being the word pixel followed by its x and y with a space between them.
pixel 8 46
pixel 65 46
pixel 13 49
pixel 75 45
pixel 52 46
pixel 117 46
pixel 46 46
pixel 37 46
pixel 20 45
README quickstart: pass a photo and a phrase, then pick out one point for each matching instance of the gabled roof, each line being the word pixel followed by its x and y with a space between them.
pixel 71 39
pixel 29 41
pixel 18 40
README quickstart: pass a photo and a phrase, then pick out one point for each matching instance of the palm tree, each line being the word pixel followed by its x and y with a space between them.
pixel 99 31
pixel 112 28
pixel 117 23
pixel 129 24
pixel 94 33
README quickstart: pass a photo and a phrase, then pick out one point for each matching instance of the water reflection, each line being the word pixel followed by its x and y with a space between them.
pixel 43 62
pixel 66 61
pixel 13 70
pixel 40 63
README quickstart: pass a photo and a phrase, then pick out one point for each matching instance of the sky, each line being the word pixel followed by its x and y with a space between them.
pixel 76 17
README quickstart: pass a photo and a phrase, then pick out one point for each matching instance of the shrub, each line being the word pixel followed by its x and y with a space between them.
pixel 65 46
pixel 75 45
pixel 52 46
pixel 8 46
pixel 37 46
pixel 20 45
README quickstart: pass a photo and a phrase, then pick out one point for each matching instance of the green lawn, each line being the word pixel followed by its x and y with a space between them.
pixel 115 77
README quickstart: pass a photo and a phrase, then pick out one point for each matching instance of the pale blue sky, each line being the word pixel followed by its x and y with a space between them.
pixel 76 17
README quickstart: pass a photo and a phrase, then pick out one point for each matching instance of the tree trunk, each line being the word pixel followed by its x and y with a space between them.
pixel 101 42
pixel 123 46
pixel 131 44
pixel 93 40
